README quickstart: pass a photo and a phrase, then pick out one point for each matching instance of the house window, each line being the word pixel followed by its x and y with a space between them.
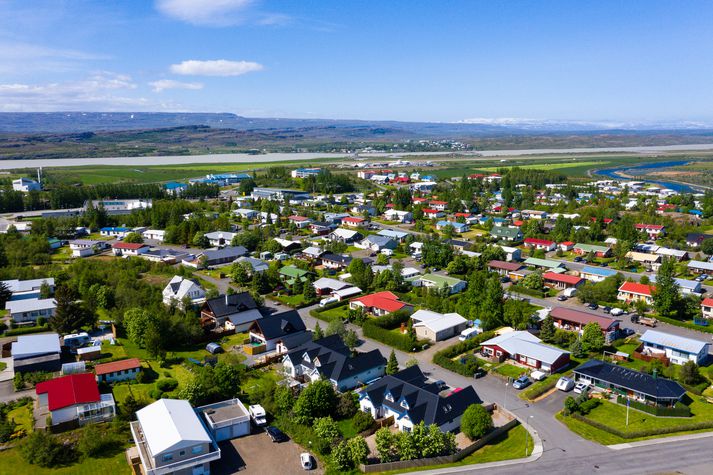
pixel 181 453
pixel 197 449
pixel 167 457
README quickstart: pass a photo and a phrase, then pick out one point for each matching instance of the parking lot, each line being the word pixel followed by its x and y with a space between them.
pixel 257 454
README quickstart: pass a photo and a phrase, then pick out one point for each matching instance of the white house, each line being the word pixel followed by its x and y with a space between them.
pixel 179 288
pixel 122 370
pixel 29 310
pixel 25 185
pixel 75 397
pixel 436 326
pixel 677 349
pixel 28 289
pixel 398 216
pixel 220 238
pixel 86 247
pixel 154 234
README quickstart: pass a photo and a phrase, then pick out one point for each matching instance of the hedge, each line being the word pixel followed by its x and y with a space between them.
pixel 380 329
pixel 680 410
pixel 537 390
pixel 27 330
pixel 519 289
pixel 643 433
pixel 317 312
pixel 690 326
pixel 444 357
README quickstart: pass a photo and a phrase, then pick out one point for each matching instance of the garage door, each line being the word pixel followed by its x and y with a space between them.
pixel 224 433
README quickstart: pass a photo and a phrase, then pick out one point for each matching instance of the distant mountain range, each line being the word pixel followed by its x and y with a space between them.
pixel 72 122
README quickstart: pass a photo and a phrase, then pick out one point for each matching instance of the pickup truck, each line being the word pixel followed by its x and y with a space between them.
pixel 647 321
pixel 257 413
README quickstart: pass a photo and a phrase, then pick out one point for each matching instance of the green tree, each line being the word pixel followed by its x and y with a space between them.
pixel 136 322
pixel 577 349
pixel 690 373
pixel 547 330
pixel 342 457
pixel 392 366
pixel 358 450
pixel 240 273
pixel 134 238
pixel 533 281
pixel 666 293
pixel 336 327
pixel 326 428
pixel 361 274
pixel 707 246
pixel 476 421
pixel 309 293
pixel 284 399
pixel 70 314
pixel 386 445
pixel 592 338
pixel 5 294
pixel 318 399
pixel 318 333
pixel 351 339
pixel 44 450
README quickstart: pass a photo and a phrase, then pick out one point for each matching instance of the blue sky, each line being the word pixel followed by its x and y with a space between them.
pixel 615 61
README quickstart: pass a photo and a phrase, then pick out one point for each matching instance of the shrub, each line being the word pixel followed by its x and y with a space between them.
pixel 444 358
pixel 93 442
pixel 587 406
pixel 362 421
pixel 342 457
pixel 476 421
pixel 42 449
pixel 166 385
pixel 26 330
pixel 156 394
pixel 326 429
pixel 347 405
pixel 143 377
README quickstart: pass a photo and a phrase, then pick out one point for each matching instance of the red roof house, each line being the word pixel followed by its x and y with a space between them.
pixel 129 248
pixel 439 205
pixel 562 281
pixel 121 370
pixel 652 230
pixel 541 244
pixel 380 303
pixel 353 221
pixel 707 307
pixel 433 213
pixel 634 291
pixel 74 398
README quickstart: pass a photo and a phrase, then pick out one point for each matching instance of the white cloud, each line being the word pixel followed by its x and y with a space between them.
pixel 163 84
pixel 206 12
pixel 217 67
pixel 101 91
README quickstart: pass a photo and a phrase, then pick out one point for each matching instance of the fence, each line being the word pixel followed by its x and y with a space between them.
pixel 650 357
pixel 643 433
pixel 404 464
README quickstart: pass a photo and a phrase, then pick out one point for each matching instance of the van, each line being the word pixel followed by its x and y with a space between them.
pixel 569 293
pixel 467 334
pixel 75 340
pixel 326 301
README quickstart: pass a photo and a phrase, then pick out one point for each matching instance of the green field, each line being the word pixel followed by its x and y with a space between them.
pixel 11 463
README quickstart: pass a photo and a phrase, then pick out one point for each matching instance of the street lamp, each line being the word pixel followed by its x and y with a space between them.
pixel 527 432
pixel 505 391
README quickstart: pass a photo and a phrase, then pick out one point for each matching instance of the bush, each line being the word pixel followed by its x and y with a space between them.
pixel 476 422
pixel 380 329
pixel 679 410
pixel 166 385
pixel 444 358
pixel 26 330
pixel 587 406
pixel 326 429
pixel 44 450
pixel 156 394
pixel 362 421
pixel 143 377
pixel 646 432
pixel 93 442
pixel 347 405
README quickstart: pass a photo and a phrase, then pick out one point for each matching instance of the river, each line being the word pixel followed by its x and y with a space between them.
pixel 626 172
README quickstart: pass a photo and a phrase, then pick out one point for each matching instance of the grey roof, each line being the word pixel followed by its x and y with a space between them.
pixel 16 285
pixel 28 346
pixel 281 324
pixel 675 342
pixel 708 266
pixel 29 305
pixel 225 253
pixel 230 304
pixel 381 241
pixel 626 378
pixel 526 344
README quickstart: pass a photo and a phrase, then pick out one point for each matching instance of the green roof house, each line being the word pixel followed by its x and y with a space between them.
pixel 503 233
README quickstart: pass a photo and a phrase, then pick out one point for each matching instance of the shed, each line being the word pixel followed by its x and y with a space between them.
pixel 89 353
pixel 213 348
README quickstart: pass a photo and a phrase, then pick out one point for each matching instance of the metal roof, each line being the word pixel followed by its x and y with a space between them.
pixel 675 342
pixel 168 424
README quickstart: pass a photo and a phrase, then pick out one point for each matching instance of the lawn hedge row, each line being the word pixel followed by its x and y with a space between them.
pixel 519 289
pixel 380 329
pixel 444 357
pixel 27 330
pixel 537 389
pixel 643 433
pixel 680 410
pixel 318 312
pixel 690 326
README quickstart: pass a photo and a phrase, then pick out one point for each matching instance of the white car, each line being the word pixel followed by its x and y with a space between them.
pixel 581 387
pixel 616 312
pixel 306 461
pixel 565 384
pixel 327 301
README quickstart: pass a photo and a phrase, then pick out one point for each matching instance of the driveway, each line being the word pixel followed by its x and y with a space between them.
pixel 257 454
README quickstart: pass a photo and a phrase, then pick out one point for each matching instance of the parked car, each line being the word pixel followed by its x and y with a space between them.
pixel 565 384
pixel 577 259
pixel 581 387
pixel 561 298
pixel 606 309
pixel 504 279
pixel 306 461
pixel 617 312
pixel 441 385
pixel 522 382
pixel 275 434
pixel 327 301
pixel 701 278
pixel 592 306
pixel 628 332
pixel 538 375
pixel 479 373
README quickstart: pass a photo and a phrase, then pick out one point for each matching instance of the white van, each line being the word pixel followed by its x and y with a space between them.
pixel 468 333
pixel 569 293
pixel 326 301
pixel 75 340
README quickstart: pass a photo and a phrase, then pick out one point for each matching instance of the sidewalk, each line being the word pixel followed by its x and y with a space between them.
pixel 660 440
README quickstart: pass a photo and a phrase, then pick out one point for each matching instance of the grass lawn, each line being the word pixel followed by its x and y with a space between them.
pixel 346 428
pixel 509 370
pixel 12 463
pixel 3 366
pixel 508 446
pixel 23 418
pixel 335 313
pixel 290 300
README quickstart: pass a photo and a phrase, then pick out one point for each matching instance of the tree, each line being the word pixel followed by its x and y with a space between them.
pixel 240 273
pixel 226 379
pixel 326 428
pixel 351 339
pixel 386 445
pixel 5 294
pixel 533 281
pixel 45 291
pixel 44 450
pixel 707 246
pixel 665 295
pixel 134 238
pixel 154 341
pixel 577 349
pixel 199 240
pixel 316 400
pixel 547 330
pixel 70 314
pixel 358 450
pixel 318 333
pixel 392 366
pixel 592 338
pixel 476 421
pixel 336 327
pixel 342 457
pixel 690 374
pixel 309 293
pixel 284 400
pixel 361 274
pixel 136 322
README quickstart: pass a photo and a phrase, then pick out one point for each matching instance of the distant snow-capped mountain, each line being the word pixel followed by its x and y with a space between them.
pixel 578 125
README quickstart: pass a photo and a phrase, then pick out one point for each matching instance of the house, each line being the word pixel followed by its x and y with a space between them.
pixel 29 310
pixel 279 194
pixel 707 307
pixel 512 253
pixel 398 236
pixel 347 236
pixel 86 247
pixel 458 228
pixel 438 205
pixel 504 268
pixel 28 289
pixel 40 352
pixel 220 238
pixel 533 214
pixel 168 256
pixel 288 245
pixel 129 248
pixel 380 303
pixel 122 370
pixel 562 281
pixel 290 274
pixel 685 286
pixel 410 399
pixel 325 285
pixel 677 349
pixel 171 439
pixel 330 359
pixel 226 419
pixel 245 213
pixel 642 387
pixel 279 332
pixel 26 185
pixel 436 326
pixel 676 254
pixel 256 265
pixel 526 349
pixel 216 257
pixel 300 222
pixel 700 267
pixel 695 239
pixel 651 261
pixel 596 274
pixel 654 231
pixel 120 207
pixel 180 288
pixel 437 281
pixel 566 246
pixel 633 292
pixel 154 235
pixel 502 233
pixel 174 188
pixel 585 249
pixel 575 320
pixel 305 172
pixel 75 399
pixel 55 244
pixel 546 264
pixel 377 243
pixel 398 216
pixel 353 222
pixel 544 244
pixel 321 229
pixel 235 311
pixel 115 231
pixel 430 213
pixel 335 261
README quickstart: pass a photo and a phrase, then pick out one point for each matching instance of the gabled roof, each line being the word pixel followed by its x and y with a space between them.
pixel 626 378
pixel 436 321
pixel 508 266
pixel 331 257
pixel 129 246
pixel 69 390
pixel 230 304
pixel 526 344
pixel 539 242
pixel 333 284
pixel 279 325
pixel 169 424
pixel 29 305
pixel 675 342
pixel 637 288
pixel 114 366
pixel 385 300
pixel 564 278
pixel 225 253
pixel 707 302
pixel 576 316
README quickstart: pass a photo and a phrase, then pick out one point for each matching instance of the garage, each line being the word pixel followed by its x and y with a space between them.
pixel 226 420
